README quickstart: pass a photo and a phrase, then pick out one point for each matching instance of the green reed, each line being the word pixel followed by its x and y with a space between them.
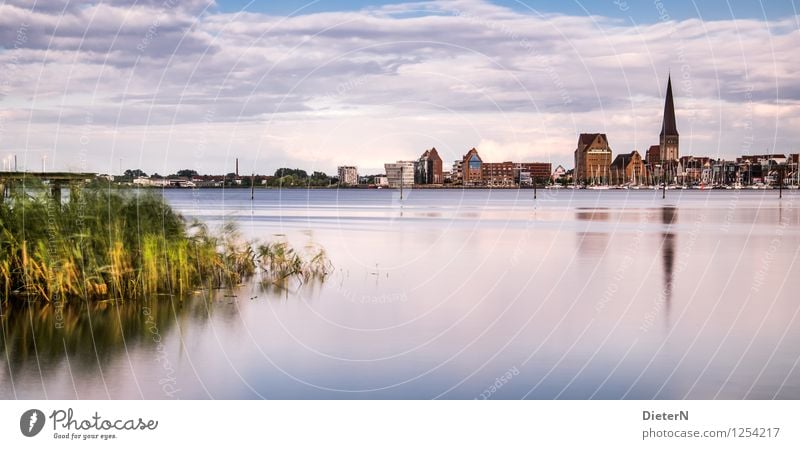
pixel 118 244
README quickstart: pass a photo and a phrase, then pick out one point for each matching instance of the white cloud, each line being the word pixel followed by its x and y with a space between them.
pixel 381 84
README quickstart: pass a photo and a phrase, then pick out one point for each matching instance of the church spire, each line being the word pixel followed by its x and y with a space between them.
pixel 668 126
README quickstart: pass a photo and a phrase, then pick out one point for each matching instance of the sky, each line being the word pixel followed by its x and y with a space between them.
pixel 164 85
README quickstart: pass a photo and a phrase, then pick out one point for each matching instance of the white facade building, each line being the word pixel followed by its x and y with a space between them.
pixel 348 175
pixel 400 171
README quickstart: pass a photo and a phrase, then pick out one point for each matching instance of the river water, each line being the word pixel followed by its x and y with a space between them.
pixel 455 294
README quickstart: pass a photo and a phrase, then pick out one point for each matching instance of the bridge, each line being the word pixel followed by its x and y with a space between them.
pixel 55 180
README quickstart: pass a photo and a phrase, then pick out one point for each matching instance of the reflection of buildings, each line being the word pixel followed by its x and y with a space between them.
pixel 669 216
pixel 592 158
pixel 628 168
pixel 400 171
pixel 429 168
pixel 348 175
pixel 592 244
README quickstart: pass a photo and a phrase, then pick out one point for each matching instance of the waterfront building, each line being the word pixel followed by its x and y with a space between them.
pixel 792 170
pixel 668 139
pixel 348 175
pixel 558 174
pixel 381 181
pixel 693 169
pixel 400 172
pixel 628 169
pixel 760 168
pixel 526 172
pixel 653 156
pixel 497 174
pixel 471 169
pixel 540 171
pixel 456 173
pixel 429 168
pixel 592 158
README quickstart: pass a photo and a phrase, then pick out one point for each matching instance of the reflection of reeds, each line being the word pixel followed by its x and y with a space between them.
pixel 117 244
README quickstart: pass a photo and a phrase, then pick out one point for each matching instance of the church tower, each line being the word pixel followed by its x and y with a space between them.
pixel 668 140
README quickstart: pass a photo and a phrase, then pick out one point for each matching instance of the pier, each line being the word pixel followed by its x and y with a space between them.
pixel 55 181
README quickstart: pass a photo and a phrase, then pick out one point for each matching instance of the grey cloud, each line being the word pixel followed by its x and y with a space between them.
pixel 469 57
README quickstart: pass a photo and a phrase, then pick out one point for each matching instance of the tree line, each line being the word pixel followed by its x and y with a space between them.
pixel 282 177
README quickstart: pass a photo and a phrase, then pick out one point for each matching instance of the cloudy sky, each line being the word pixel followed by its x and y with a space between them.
pixel 167 84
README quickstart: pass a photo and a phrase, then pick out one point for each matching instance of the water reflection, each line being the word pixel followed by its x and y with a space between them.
pixel 592 243
pixel 441 306
pixel 592 214
pixel 669 216
pixel 91 334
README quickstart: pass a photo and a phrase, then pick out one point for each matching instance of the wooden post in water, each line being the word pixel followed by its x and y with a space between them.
pixel 252 186
pixel 534 188
pixel 663 180
pixel 780 181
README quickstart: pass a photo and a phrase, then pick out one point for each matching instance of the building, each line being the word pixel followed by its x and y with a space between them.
pixel 760 168
pixel 628 169
pixel 400 171
pixel 455 174
pixel 540 171
pixel 497 174
pixel 429 168
pixel 381 181
pixel 471 169
pixel 653 156
pixel 348 175
pixel 558 174
pixel 695 169
pixel 668 139
pixel 592 159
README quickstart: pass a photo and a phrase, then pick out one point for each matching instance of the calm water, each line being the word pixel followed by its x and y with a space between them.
pixel 456 294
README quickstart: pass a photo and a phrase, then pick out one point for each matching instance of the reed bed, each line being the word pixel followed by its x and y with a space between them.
pixel 122 244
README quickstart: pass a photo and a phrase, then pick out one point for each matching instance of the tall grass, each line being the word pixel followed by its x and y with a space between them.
pixel 125 245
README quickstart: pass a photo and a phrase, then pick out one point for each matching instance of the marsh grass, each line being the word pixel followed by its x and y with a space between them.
pixel 122 244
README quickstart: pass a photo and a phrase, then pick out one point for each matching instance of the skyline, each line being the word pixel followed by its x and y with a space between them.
pixel 187 86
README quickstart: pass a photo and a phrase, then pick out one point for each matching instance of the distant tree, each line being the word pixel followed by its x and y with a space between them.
pixel 186 173
pixel 134 174
pixel 296 172
pixel 156 176
pixel 320 179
